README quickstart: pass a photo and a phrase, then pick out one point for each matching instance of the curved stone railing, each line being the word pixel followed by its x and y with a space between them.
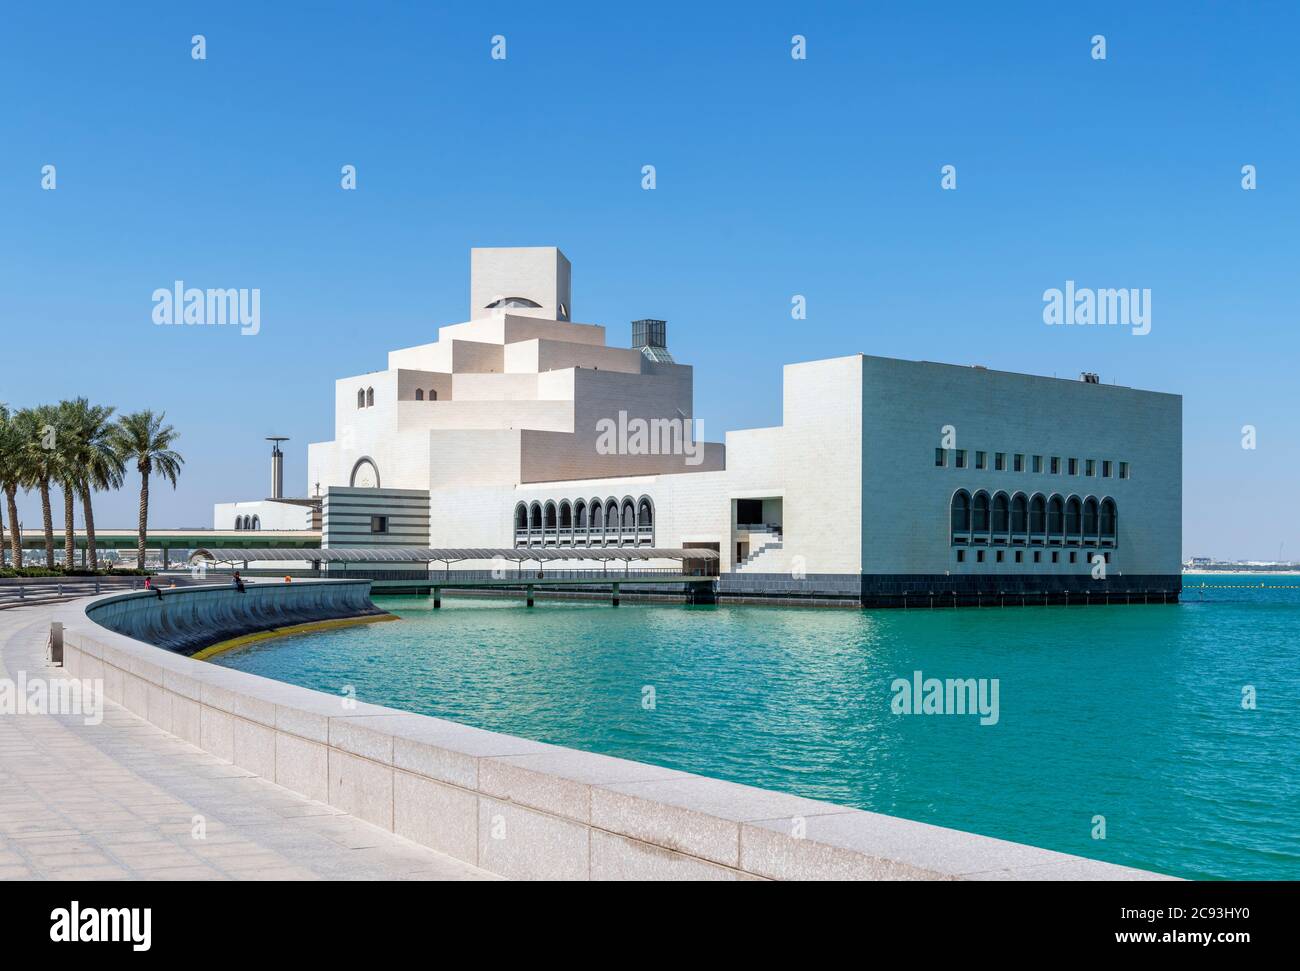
pixel 188 619
pixel 511 806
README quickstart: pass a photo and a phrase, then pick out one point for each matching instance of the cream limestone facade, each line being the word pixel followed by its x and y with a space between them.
pixel 524 428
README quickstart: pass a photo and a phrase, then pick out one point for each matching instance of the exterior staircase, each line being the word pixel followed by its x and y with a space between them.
pixel 764 539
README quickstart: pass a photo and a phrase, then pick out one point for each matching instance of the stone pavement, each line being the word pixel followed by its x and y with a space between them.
pixel 125 800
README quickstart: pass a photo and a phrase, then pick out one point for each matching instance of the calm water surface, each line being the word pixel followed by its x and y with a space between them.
pixel 1131 713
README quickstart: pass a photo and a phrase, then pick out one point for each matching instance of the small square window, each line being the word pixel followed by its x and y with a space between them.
pixel 1107 556
pixel 1074 557
pixel 1056 557
pixel 1038 556
pixel 1105 468
pixel 1123 470
pixel 379 524
pixel 981 460
pixel 940 458
pixel 1000 461
pixel 961 458
pixel 1020 556
pixel 998 556
pixel 1074 466
pixel 961 556
pixel 1038 464
pixel 1089 466
pixel 1056 465
pixel 1018 462
pixel 979 556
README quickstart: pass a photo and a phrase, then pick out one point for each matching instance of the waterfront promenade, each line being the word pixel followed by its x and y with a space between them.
pixel 121 800
pixel 497 803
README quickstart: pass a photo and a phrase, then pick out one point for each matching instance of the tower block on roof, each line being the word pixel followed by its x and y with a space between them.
pixel 531 281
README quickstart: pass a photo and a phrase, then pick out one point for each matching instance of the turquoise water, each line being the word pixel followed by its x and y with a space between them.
pixel 1131 713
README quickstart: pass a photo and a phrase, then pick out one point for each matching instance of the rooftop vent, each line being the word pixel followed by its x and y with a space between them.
pixel 650 337
pixel 1089 377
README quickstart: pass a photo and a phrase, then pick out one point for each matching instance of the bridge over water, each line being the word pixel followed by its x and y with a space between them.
pixel 414 569
pixel 166 541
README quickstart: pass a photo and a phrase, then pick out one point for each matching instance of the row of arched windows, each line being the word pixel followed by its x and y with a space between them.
pixel 248 522
pixel 1035 520
pixel 583 522
pixel 366 396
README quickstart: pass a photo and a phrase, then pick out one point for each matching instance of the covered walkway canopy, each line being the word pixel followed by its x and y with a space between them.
pixel 420 554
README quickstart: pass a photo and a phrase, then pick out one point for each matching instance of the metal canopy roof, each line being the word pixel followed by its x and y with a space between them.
pixel 420 554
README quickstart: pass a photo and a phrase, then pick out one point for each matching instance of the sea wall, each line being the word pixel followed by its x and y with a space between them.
pixel 518 808
pixel 187 619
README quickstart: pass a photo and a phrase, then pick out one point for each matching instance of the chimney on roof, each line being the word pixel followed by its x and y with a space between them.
pixel 1089 377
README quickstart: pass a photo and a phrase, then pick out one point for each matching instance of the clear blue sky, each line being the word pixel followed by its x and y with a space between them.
pixel 775 177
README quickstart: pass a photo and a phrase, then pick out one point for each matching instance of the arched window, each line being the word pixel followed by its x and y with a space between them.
pixel 257 522
pixel 1038 518
pixel 361 397
pixel 535 522
pixel 239 522
pixel 580 514
pixel 611 519
pixel 1073 519
pixel 550 517
pixel 1001 513
pixel 1019 518
pixel 979 519
pixel 370 397
pixel 1109 521
pixel 1055 519
pixel 365 474
pixel 433 394
pixel 629 515
pixel 1090 521
pixel 521 516
pixel 598 520
pixel 645 520
pixel 419 394
pixel 960 508
pixel 503 303
pixel 248 522
pixel 566 515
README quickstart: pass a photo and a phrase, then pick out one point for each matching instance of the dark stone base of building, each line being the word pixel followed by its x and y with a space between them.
pixel 908 591
pixel 940 590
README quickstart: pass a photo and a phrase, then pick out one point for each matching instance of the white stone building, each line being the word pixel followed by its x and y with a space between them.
pixel 886 478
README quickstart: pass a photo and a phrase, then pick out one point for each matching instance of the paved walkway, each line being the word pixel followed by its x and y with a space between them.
pixel 123 800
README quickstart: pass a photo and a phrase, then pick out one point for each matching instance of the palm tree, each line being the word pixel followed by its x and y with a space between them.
pixel 37 465
pixel 98 464
pixel 12 477
pixel 66 473
pixel 142 438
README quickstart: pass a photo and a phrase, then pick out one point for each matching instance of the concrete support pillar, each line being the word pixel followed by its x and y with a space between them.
pixel 615 598
pixel 437 597
pixel 164 557
pixel 530 594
